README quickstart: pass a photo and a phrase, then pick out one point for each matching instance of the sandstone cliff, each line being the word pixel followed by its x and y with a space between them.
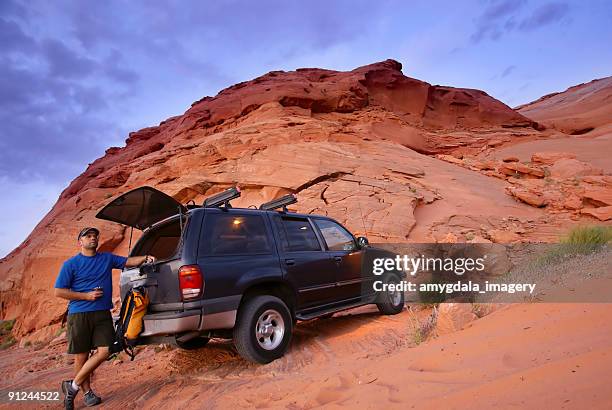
pixel 581 109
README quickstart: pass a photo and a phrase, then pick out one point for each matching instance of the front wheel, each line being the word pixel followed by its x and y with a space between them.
pixel 263 329
pixel 391 302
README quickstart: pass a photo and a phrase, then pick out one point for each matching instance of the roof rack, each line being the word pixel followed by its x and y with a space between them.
pixel 283 201
pixel 222 198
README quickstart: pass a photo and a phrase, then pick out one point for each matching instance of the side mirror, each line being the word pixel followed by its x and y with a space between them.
pixel 362 241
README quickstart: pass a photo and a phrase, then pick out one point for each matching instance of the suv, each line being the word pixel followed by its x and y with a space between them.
pixel 246 274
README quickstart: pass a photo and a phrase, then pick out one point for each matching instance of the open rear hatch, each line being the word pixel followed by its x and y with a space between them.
pixel 141 208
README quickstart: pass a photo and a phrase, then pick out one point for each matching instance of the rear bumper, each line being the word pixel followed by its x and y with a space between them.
pixel 177 318
pixel 175 323
pixel 171 323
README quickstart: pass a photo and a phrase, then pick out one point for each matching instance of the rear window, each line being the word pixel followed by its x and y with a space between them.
pixel 231 234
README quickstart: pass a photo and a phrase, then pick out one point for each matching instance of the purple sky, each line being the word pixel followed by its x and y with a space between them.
pixel 77 76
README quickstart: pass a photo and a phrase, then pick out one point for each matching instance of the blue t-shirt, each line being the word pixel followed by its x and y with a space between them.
pixel 84 273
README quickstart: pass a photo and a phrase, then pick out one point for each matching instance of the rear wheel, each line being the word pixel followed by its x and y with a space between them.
pixel 391 302
pixel 263 329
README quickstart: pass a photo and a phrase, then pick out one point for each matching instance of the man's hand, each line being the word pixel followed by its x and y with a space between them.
pixel 139 260
pixel 71 295
pixel 93 295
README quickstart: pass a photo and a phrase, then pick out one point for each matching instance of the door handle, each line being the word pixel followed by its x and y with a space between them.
pixel 338 259
pixel 290 262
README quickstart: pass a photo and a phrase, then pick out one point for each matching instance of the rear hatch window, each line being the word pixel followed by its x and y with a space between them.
pixel 163 242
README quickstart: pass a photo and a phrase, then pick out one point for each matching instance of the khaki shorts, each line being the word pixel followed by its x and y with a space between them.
pixel 88 330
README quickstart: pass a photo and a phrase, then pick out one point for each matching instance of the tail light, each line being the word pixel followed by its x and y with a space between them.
pixel 190 281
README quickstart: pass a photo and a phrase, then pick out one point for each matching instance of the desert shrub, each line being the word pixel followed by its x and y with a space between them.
pixel 7 342
pixel 422 330
pixel 579 241
pixel 590 237
pixel 6 338
pixel 6 326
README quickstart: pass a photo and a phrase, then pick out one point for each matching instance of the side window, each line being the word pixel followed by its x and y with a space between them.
pixel 336 237
pixel 297 234
pixel 227 234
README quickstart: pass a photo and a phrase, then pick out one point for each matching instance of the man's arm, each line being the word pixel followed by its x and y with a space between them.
pixel 72 295
pixel 139 260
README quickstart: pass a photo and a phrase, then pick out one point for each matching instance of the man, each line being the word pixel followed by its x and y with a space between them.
pixel 86 281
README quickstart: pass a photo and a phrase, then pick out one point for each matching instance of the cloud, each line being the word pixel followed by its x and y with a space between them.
pixel 56 100
pixel 49 128
pixel 544 15
pixel 503 8
pixel 64 62
pixel 508 71
pixel 12 37
pixel 48 125
pixel 504 16
pixel 490 25
pixel 12 8
pixel 114 67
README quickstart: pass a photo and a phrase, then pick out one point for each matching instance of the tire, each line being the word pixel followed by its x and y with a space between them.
pixel 193 344
pixel 391 303
pixel 263 329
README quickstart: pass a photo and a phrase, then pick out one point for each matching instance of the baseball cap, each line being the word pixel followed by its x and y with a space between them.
pixel 84 231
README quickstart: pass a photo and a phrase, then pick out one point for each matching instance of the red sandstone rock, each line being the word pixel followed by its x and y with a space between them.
pixel 571 168
pixel 603 213
pixel 528 197
pixel 598 196
pixel 573 202
pixel 452 317
pixel 549 158
pixel 500 236
pixel 450 158
pixel 516 168
pixel 484 165
pixel 579 110
pixel 603 180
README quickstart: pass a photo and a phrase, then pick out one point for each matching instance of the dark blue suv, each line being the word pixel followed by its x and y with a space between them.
pixel 242 273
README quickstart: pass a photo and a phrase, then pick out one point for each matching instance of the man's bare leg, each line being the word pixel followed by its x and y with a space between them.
pixel 79 361
pixel 90 365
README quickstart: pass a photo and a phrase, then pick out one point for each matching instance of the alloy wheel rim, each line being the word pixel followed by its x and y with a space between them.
pixel 395 296
pixel 270 329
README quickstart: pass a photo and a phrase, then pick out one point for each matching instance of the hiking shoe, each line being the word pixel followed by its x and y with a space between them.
pixel 91 399
pixel 69 394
